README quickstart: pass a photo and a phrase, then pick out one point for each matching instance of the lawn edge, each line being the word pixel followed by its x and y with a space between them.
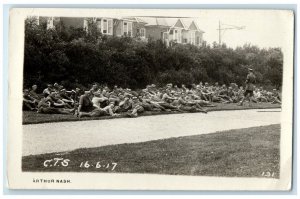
pixel 161 139
pixel 212 109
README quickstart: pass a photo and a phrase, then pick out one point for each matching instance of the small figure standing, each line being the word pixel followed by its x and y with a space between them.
pixel 250 81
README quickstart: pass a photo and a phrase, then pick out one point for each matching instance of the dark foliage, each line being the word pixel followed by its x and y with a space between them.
pixel 71 56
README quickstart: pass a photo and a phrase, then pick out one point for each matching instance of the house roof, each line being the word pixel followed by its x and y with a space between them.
pixel 175 22
pixel 197 27
pixel 184 23
pixel 135 19
pixel 168 22
pixel 190 23
pixel 154 21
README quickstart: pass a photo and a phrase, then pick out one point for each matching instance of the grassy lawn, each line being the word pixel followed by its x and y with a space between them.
pixel 30 117
pixel 243 153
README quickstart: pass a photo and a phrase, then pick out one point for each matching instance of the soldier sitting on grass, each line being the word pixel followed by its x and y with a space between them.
pixel 276 97
pixel 136 107
pixel 46 105
pixel 184 105
pixel 29 103
pixel 124 105
pixel 34 94
pixel 150 105
pixel 86 107
pixel 48 90
pixel 63 95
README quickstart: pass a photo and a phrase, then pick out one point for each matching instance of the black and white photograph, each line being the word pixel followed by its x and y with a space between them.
pixel 152 94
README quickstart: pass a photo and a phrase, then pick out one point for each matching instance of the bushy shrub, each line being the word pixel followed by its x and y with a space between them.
pixel 75 57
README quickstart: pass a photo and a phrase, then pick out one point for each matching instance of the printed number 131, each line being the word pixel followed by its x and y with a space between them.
pixel 268 174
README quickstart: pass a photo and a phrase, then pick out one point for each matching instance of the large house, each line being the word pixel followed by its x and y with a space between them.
pixel 174 30
pixel 169 30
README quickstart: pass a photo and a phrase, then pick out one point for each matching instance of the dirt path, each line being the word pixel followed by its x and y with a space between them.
pixel 65 136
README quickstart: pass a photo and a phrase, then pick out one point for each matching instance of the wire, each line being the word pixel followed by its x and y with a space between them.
pixel 238 27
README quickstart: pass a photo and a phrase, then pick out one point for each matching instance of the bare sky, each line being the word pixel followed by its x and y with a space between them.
pixel 262 28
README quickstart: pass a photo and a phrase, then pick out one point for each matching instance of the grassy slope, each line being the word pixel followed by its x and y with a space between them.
pixel 30 117
pixel 243 152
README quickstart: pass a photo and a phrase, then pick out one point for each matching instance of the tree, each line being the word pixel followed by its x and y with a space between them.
pixel 75 55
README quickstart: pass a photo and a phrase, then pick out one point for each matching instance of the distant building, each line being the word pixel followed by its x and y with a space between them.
pixel 193 34
pixel 169 30
pixel 131 27
pixel 157 28
pixel 174 30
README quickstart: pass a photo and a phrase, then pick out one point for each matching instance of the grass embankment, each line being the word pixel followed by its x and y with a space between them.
pixel 30 117
pixel 235 153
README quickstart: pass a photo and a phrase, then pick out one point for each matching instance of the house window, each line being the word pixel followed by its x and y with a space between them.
pixel 107 26
pixel 50 23
pixel 110 26
pixel 165 36
pixel 198 40
pixel 143 32
pixel 127 29
pixel 177 35
pixel 193 37
pixel 98 24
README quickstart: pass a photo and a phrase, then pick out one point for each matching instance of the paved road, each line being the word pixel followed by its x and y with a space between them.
pixel 65 136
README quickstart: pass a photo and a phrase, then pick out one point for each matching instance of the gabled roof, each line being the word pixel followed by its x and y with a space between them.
pixel 134 19
pixel 140 20
pixel 178 23
pixel 162 21
pixel 154 21
pixel 196 25
pixel 191 24
pixel 185 23
pixel 168 22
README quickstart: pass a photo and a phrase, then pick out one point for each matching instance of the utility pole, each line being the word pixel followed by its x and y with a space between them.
pixel 219 33
pixel 223 27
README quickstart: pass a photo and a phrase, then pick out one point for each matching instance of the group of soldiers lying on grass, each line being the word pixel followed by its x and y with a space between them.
pixel 103 101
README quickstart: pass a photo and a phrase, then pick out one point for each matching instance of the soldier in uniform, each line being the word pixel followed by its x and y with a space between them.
pixel 250 81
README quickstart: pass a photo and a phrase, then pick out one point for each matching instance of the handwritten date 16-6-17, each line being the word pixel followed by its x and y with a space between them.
pixel 61 162
pixel 98 165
